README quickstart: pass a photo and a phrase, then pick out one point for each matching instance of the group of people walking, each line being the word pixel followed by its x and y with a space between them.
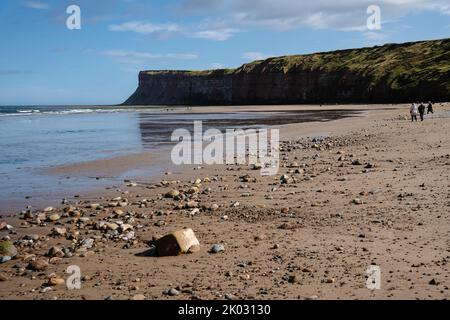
pixel 414 110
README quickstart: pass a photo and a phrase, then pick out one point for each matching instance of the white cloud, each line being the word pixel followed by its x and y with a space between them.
pixel 135 57
pixel 220 20
pixel 160 30
pixel 216 35
pixel 319 14
pixel 254 55
pixel 170 29
pixel 36 5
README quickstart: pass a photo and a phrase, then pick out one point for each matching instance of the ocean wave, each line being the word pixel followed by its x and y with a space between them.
pixel 36 112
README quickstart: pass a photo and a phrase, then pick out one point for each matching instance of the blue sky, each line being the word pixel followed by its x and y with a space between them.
pixel 42 62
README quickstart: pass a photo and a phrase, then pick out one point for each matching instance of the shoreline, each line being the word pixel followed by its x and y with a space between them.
pixel 373 191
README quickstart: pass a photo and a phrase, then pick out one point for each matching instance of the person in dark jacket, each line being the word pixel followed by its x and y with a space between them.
pixel 421 111
pixel 430 108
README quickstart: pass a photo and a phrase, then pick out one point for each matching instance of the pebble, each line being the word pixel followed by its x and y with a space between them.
pixel 59 231
pixel 54 217
pixel 329 280
pixel 55 252
pixel 433 282
pixel 217 248
pixel 56 281
pixel 172 292
pixel 4 259
pixel 7 248
pixel 38 265
pixel 46 289
pixel 172 194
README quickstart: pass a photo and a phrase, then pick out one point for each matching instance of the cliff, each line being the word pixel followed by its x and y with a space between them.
pixel 382 74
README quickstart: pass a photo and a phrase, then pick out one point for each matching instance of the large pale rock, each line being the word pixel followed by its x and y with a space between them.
pixel 178 242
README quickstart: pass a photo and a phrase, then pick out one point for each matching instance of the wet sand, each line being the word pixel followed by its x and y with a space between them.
pixel 373 191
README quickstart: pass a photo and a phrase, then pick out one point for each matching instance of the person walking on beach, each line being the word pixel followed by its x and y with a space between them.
pixel 421 110
pixel 413 111
pixel 430 108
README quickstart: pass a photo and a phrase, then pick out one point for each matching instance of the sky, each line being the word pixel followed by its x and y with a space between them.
pixel 42 62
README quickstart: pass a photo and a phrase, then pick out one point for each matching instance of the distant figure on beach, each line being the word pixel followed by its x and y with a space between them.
pixel 430 108
pixel 413 111
pixel 421 110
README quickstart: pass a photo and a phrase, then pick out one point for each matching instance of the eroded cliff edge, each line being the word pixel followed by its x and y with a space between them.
pixel 382 74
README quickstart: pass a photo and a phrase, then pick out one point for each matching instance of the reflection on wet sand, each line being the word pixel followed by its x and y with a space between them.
pixel 156 128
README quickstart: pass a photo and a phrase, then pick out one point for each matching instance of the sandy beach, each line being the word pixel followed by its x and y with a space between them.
pixel 370 189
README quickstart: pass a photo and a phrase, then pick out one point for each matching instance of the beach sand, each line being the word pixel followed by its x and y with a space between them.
pixel 373 191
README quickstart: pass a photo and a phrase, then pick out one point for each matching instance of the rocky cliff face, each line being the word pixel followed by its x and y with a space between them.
pixel 389 73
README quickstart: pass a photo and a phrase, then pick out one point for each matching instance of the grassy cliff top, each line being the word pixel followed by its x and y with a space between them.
pixel 397 64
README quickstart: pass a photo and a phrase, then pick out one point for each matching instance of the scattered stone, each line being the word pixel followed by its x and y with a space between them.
pixel 48 209
pixel 172 292
pixel 56 281
pixel 46 289
pixel 7 248
pixel 285 179
pixel 160 223
pixel 55 252
pixel 357 201
pixel 59 232
pixel 138 297
pixel 172 194
pixel 193 190
pixel 94 206
pixel 86 243
pixel 217 248
pixel 54 217
pixel 433 282
pixel 111 226
pixel 38 265
pixel 330 280
pixel 125 227
pixel 192 204
pixel 176 243
pixel 4 259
